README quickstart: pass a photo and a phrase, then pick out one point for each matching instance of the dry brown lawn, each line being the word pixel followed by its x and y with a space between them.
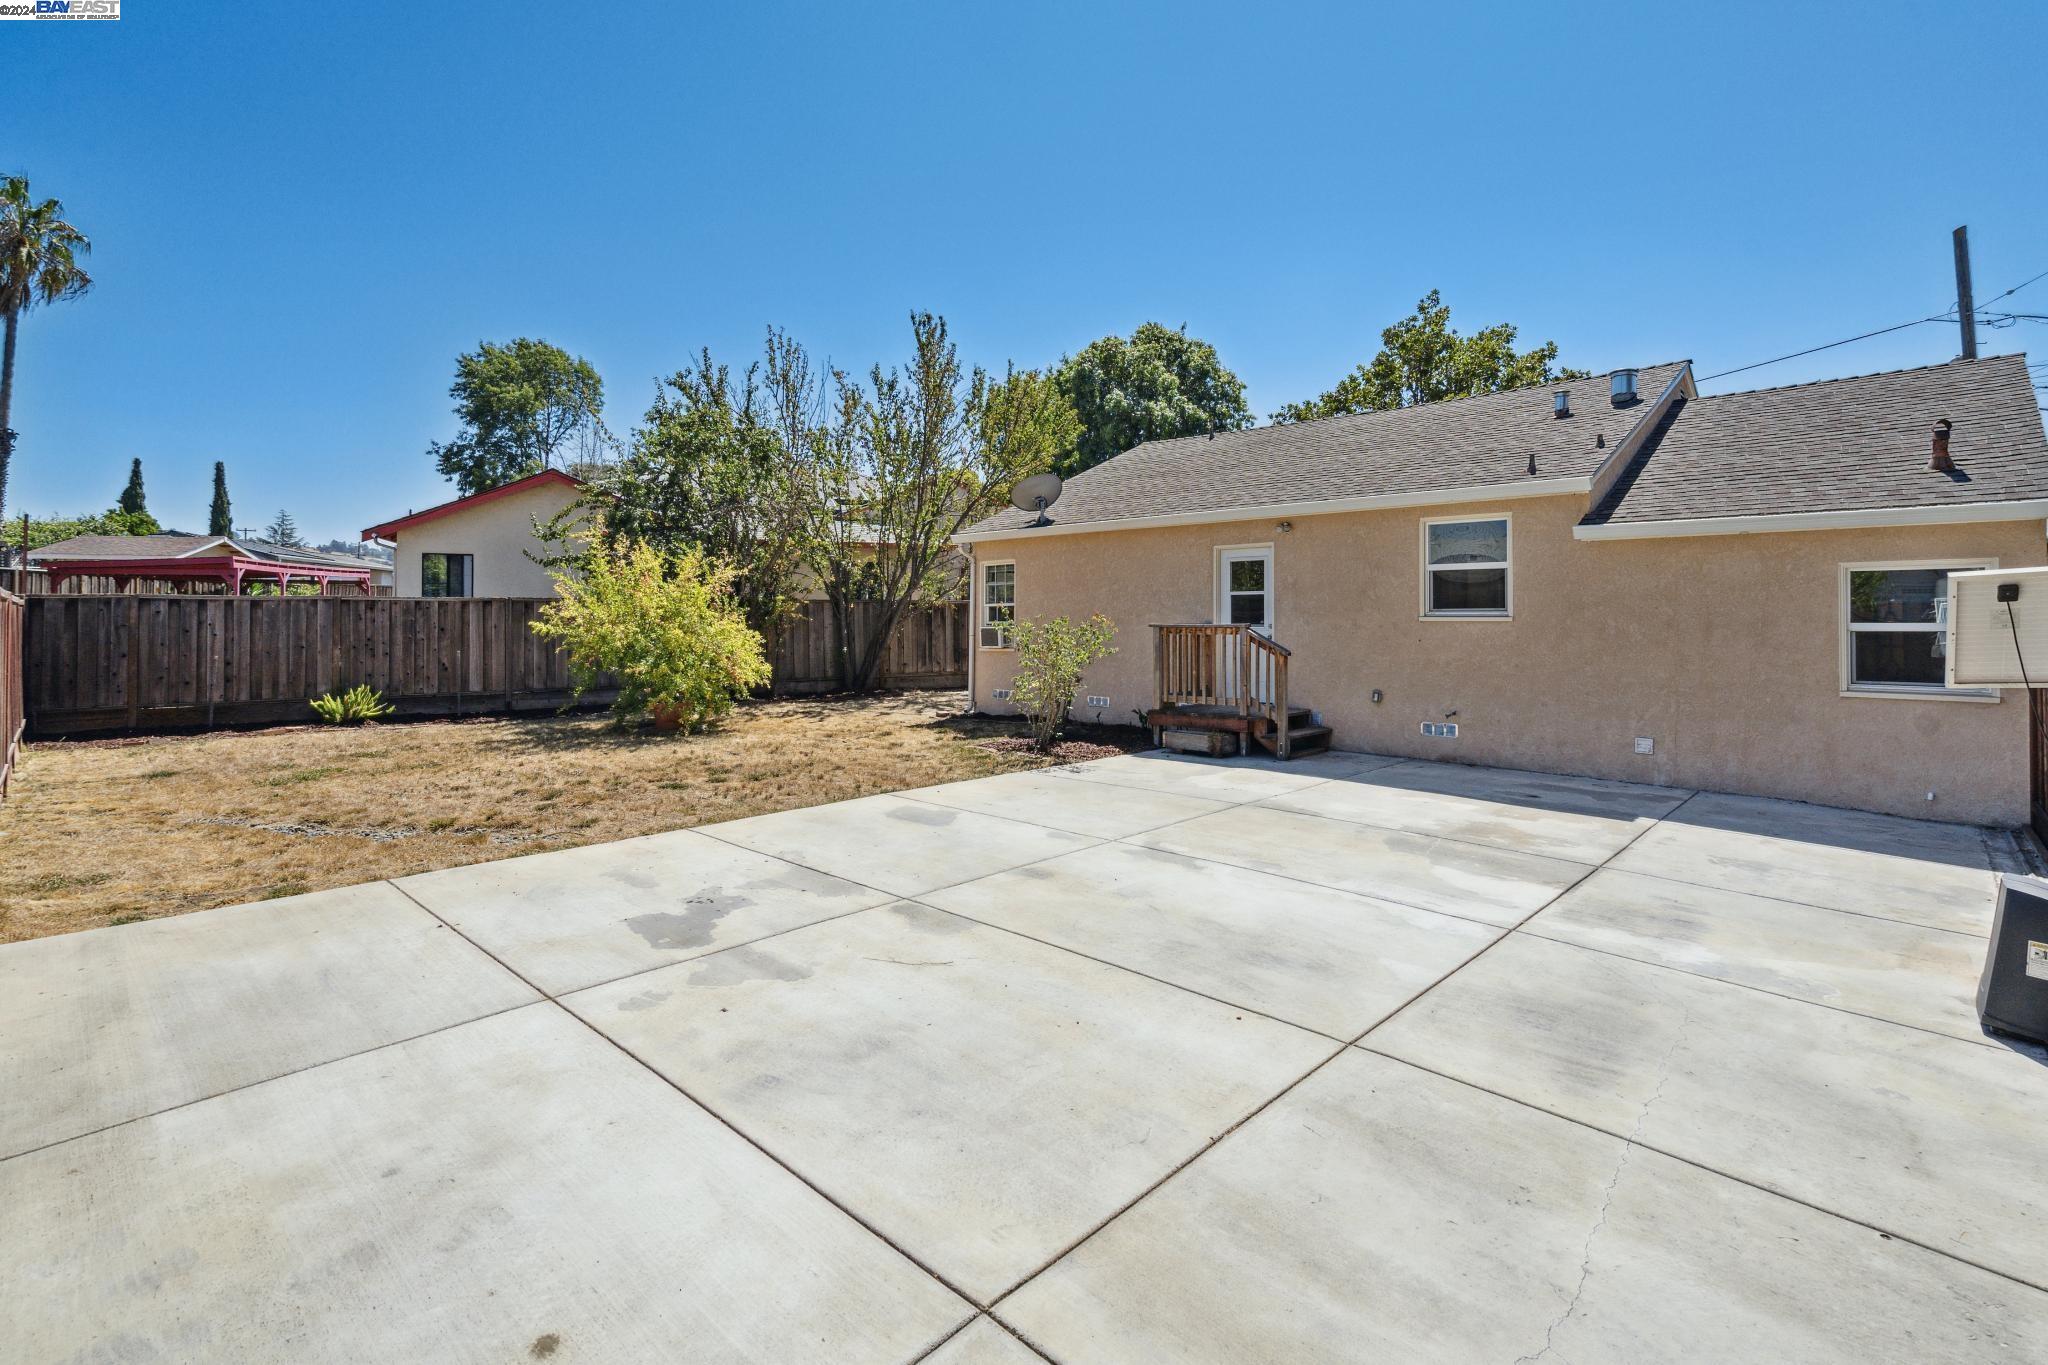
pixel 109 832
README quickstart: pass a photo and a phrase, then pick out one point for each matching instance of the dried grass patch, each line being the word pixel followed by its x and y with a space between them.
pixel 110 832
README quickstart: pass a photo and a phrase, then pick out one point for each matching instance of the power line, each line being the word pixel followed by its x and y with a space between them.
pixel 2014 290
pixel 2001 320
pixel 1829 346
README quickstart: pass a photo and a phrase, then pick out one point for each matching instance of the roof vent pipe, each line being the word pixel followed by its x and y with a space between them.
pixel 1940 460
pixel 1561 403
pixel 1622 387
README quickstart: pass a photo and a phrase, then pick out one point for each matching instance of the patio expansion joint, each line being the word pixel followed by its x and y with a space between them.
pixel 1125 967
pixel 282 1075
pixel 1291 1086
pixel 730 1126
pixel 1604 865
pixel 1633 1138
pixel 1787 900
pixel 1526 932
pixel 1005 1327
pixel 1226 803
pixel 1890 1234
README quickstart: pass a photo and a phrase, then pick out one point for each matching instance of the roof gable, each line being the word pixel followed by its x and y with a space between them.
pixel 543 479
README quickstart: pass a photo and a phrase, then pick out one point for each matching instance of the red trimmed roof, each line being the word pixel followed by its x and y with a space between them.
pixel 546 476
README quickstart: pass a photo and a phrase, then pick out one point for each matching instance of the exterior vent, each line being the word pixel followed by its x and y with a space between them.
pixel 1001 694
pixel 1940 459
pixel 1622 387
pixel 1099 703
pixel 1561 403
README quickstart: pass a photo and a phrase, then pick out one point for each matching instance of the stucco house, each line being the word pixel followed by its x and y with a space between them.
pixel 1614 577
pixel 482 545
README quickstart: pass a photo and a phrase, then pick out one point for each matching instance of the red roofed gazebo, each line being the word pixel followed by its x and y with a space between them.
pixel 129 560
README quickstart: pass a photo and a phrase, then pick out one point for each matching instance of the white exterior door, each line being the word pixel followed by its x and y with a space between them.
pixel 1244 589
pixel 1244 597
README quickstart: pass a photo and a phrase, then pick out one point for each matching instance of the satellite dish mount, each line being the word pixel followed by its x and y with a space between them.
pixel 1035 494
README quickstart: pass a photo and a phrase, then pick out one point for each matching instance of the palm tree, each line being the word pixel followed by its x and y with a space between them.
pixel 39 255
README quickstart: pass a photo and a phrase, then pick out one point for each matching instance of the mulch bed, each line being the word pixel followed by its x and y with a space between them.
pixel 1063 751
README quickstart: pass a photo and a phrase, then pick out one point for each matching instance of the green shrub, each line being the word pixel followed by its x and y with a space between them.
pixel 352 707
pixel 1051 656
pixel 663 627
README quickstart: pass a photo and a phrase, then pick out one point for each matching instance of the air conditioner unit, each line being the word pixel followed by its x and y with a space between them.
pixel 992 637
pixel 1997 628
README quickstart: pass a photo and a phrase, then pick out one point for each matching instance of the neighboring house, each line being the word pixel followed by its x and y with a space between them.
pixel 482 545
pixel 234 563
pixel 1742 592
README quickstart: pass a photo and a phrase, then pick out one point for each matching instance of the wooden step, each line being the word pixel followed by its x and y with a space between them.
pixel 1301 740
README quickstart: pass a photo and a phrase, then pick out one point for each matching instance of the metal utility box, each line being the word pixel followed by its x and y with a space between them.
pixel 2013 995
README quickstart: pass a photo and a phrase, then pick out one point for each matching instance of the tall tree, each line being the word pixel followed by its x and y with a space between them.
pixel 520 405
pixel 708 469
pixel 283 531
pixel 220 520
pixel 906 463
pixel 132 499
pixel 39 256
pixel 1423 359
pixel 1158 383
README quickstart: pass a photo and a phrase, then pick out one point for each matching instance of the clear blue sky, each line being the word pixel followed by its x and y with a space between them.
pixel 302 213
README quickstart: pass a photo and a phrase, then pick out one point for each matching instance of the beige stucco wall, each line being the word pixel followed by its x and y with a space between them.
pixel 499 533
pixel 1724 650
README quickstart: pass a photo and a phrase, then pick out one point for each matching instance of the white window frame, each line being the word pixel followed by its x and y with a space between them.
pixel 1847 630
pixel 1503 613
pixel 981 602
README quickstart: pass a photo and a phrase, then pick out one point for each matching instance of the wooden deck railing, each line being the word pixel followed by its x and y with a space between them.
pixel 1224 669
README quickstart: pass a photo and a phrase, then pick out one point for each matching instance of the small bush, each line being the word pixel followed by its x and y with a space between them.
pixel 1051 657
pixel 352 707
pixel 663 627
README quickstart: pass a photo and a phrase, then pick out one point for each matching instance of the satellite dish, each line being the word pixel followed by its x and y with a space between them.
pixel 1035 494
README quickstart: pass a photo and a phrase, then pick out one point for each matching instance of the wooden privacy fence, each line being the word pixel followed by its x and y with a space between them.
pixel 131 662
pixel 927 649
pixel 13 714
pixel 126 662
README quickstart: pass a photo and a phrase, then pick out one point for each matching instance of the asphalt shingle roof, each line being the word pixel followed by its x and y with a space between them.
pixel 1457 444
pixel 1840 445
pixel 121 547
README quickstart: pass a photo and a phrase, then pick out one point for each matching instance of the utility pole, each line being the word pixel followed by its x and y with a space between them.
pixel 1966 307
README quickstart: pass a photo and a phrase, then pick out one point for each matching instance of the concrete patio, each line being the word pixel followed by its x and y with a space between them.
pixel 1146 1059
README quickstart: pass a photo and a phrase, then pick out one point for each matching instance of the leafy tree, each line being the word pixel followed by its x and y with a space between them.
pixel 1051 657
pixel 1422 359
pixel 663 628
pixel 49 530
pixel 283 531
pixel 520 404
pixel 220 519
pixel 708 467
pixel 121 522
pixel 39 255
pixel 1158 383
pixel 132 499
pixel 905 463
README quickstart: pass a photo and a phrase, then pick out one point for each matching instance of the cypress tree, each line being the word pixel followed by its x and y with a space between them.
pixel 131 496
pixel 220 521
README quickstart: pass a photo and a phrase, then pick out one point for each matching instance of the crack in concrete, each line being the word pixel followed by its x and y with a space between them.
pixel 1628 1148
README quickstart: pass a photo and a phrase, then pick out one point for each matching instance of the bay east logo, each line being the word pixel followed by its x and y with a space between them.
pixel 61 9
